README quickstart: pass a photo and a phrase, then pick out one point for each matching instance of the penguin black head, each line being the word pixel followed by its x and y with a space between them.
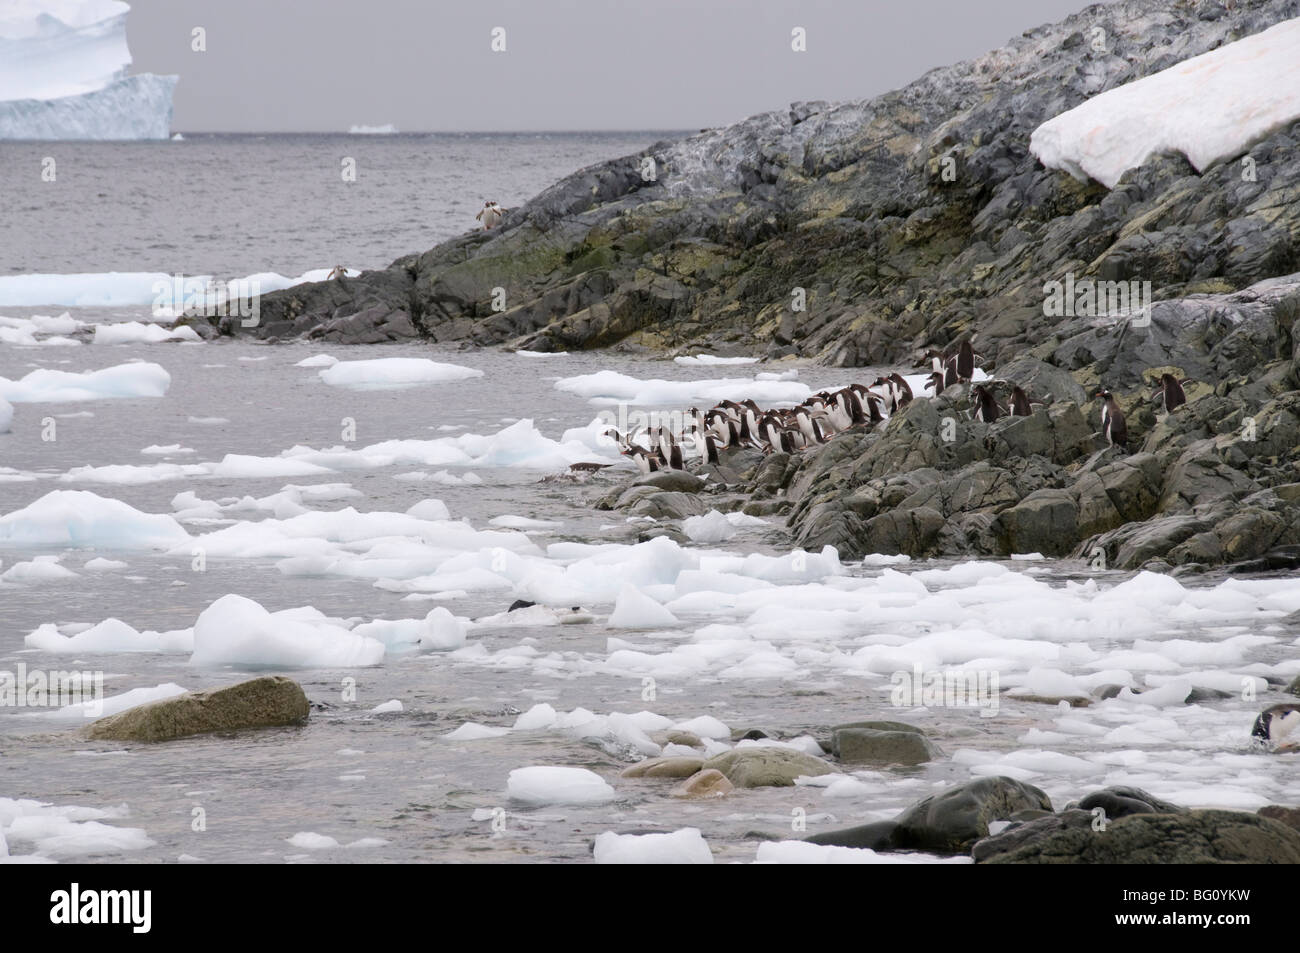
pixel 1276 724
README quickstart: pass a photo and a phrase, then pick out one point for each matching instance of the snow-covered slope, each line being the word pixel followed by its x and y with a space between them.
pixel 1210 107
pixel 63 74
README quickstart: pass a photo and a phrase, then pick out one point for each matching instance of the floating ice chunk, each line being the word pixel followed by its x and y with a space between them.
pixel 434 510
pixel 123 380
pixel 309 840
pixel 443 631
pixel 1209 107
pixel 238 631
pixel 540 785
pixel 103 707
pixel 705 726
pixel 168 450
pixel 799 566
pixel 82 518
pixel 712 527
pixel 135 332
pixel 539 716
pixel 473 731
pixel 389 707
pixel 1049 682
pixel 635 610
pixel 111 635
pixel 393 372
pixel 39 569
pixel 318 360
pixel 100 564
pixel 686 846
pixel 884 559
pixel 1173 692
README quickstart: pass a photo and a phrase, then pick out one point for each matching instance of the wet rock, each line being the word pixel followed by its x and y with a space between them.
pixel 946 823
pixel 709 783
pixel 270 701
pixel 677 481
pixel 1191 837
pixel 668 505
pixel 872 746
pixel 1294 687
pixel 679 767
pixel 686 738
pixel 768 766
pixel 1120 801
pixel 1290 816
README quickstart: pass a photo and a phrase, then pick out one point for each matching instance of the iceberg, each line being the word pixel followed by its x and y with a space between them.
pixel 63 74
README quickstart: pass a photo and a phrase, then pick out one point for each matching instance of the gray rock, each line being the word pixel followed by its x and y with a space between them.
pixel 947 823
pixel 1120 801
pixel 270 701
pixel 1191 837
pixel 768 766
pixel 871 746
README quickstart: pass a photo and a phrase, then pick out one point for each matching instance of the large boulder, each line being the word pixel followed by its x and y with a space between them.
pixel 1191 837
pixel 946 823
pixel 767 766
pixel 271 701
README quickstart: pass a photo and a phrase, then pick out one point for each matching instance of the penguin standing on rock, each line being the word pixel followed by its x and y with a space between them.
pixel 1022 405
pixel 985 405
pixel 1113 425
pixel 1170 392
pixel 1279 726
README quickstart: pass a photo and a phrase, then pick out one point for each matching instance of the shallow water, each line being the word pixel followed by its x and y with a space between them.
pixel 351 774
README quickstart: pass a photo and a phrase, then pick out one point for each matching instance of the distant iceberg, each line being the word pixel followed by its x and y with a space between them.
pixel 387 130
pixel 63 74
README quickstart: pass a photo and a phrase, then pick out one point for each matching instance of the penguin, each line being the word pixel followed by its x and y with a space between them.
pixel 1279 726
pixel 490 214
pixel 965 359
pixel 902 388
pixel 950 375
pixel 1022 405
pixel 935 383
pixel 1171 392
pixel 1113 424
pixel 338 272
pixel 645 461
pixel 986 407
pixel 936 358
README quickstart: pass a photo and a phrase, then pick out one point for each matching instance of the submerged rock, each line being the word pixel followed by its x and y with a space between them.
pixel 709 783
pixel 764 766
pixel 270 701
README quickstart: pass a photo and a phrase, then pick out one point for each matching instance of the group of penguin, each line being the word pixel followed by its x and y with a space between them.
pixel 743 424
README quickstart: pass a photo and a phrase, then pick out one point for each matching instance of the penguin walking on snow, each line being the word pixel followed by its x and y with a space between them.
pixel 1113 425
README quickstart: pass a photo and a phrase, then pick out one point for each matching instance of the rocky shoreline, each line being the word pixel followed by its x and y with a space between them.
pixel 916 219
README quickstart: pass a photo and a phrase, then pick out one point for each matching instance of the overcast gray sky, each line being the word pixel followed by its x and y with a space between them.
pixel 427 65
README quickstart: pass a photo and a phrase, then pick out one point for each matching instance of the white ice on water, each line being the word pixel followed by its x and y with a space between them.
pixel 45 386
pixel 138 289
pixel 1210 108
pixel 59 832
pixel 541 785
pixel 686 846
pixel 388 373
